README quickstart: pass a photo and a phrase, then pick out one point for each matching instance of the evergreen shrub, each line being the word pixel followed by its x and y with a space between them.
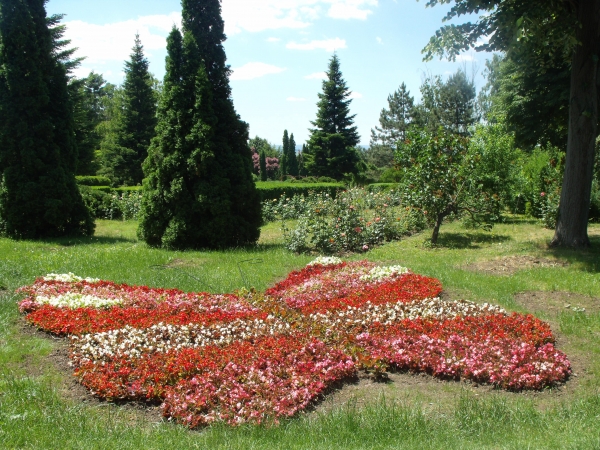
pixel 92 180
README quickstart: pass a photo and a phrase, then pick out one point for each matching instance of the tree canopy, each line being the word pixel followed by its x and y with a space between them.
pixel 552 30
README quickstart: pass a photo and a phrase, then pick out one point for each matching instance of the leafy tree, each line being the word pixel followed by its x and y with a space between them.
pixel 331 147
pixel 292 157
pixel 551 30
pixel 38 156
pixel 445 175
pixel 199 191
pixel 127 147
pixel 301 167
pixel 532 101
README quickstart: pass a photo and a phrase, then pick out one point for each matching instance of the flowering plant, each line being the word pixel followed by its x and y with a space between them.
pixel 209 357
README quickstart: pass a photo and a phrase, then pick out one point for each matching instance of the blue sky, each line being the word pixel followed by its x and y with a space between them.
pixel 279 50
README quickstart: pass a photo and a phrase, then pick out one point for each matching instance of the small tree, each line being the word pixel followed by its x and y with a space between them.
pixel 444 175
pixel 331 148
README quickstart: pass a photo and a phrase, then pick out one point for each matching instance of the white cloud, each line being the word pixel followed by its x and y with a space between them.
pixel 259 15
pixel 255 70
pixel 316 76
pixel 379 40
pixel 113 41
pixel 273 39
pixel 355 95
pixel 351 9
pixel 295 99
pixel 329 45
pixel 465 58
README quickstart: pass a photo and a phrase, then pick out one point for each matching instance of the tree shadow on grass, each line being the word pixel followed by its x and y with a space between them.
pixel 88 240
pixel 468 240
pixel 587 259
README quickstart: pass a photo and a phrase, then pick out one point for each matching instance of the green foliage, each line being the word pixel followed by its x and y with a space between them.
pixel 444 176
pixel 355 220
pixel 38 157
pixel 128 137
pixel 199 191
pixel 112 204
pixel 331 147
pixel 532 100
pixel 449 104
pixel 92 180
pixel 274 190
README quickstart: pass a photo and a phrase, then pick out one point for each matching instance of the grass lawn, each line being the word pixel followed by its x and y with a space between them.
pixel 42 408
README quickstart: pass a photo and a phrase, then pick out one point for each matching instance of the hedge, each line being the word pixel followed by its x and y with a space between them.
pixel 92 180
pixel 273 190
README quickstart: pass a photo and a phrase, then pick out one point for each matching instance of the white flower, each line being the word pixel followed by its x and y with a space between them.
pixel 68 278
pixel 325 261
pixel 75 300
pixel 379 273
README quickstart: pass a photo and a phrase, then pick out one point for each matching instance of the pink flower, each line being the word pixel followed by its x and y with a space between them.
pixel 543 194
pixel 365 247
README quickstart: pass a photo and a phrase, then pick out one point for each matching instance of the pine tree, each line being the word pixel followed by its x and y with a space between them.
pixel 292 158
pixel 127 149
pixel 199 191
pixel 285 154
pixel 331 147
pixel 38 194
pixel 393 125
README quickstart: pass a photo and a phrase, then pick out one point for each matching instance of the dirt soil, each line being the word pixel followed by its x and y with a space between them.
pixel 555 302
pixel 509 265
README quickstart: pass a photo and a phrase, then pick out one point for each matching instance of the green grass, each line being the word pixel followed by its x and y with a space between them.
pixel 37 413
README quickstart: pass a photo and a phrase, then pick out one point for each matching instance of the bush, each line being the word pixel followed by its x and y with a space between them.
pixel 273 190
pixel 111 205
pixel 355 220
pixel 92 180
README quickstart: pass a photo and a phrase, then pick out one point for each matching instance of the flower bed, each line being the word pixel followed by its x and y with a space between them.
pixel 210 357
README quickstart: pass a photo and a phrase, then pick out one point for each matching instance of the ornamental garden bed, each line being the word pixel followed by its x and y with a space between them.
pixel 259 357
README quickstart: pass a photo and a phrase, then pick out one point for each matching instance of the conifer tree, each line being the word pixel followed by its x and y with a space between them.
pixel 125 152
pixel 263 166
pixel 285 154
pixel 199 191
pixel 38 194
pixel 331 147
pixel 292 158
pixel 394 122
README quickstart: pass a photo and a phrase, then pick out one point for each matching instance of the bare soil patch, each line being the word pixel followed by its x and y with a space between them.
pixel 555 302
pixel 509 265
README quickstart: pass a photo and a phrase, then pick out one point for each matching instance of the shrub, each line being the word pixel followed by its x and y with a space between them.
pixel 92 180
pixel 355 220
pixel 274 190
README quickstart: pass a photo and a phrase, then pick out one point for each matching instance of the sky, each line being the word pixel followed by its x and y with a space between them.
pixel 279 51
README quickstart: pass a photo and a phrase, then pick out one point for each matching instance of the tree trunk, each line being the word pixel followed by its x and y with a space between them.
pixel 571 227
pixel 436 228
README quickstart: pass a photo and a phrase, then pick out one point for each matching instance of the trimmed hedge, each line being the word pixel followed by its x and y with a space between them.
pixel 273 190
pixel 92 180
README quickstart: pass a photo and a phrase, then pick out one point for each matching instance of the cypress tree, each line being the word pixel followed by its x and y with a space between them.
pixel 134 129
pixel 292 158
pixel 330 151
pixel 263 166
pixel 38 194
pixel 199 191
pixel 283 164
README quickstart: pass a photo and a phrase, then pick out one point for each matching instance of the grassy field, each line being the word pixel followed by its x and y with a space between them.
pixel 41 408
